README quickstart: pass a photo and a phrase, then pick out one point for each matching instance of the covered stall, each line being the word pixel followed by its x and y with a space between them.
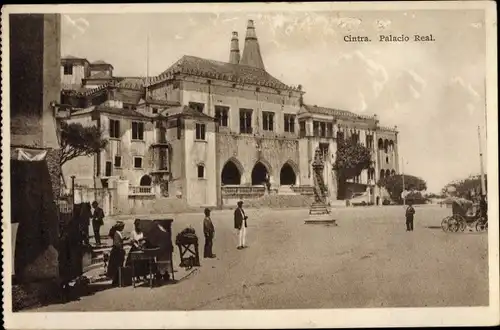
pixel 157 250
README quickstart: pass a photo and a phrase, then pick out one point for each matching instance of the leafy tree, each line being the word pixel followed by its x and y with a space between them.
pixel 464 187
pixel 394 184
pixel 352 158
pixel 78 140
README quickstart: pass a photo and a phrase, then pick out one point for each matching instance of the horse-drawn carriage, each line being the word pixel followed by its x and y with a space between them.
pixel 464 214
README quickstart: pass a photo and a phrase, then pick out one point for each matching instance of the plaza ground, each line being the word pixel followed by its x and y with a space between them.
pixel 369 260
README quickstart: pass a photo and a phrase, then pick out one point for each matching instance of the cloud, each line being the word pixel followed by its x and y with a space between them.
pixel 382 24
pixel 357 81
pixel 77 27
pixel 463 98
pixel 348 23
pixel 403 87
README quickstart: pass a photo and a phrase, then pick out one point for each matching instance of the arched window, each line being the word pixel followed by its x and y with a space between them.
pixel 391 146
pixel 230 173
pixel 287 175
pixel 145 181
pixel 386 146
pixel 259 174
pixel 371 174
pixel 393 172
pixel 380 144
pixel 387 173
pixel 382 174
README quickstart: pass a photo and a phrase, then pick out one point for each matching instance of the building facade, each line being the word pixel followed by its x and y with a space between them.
pixel 229 130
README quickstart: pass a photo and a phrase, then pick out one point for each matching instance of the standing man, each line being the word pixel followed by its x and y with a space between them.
pixel 410 211
pixel 97 221
pixel 240 223
pixel 209 231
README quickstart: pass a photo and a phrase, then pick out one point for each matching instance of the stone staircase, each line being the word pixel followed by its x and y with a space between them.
pixel 286 190
pixel 318 208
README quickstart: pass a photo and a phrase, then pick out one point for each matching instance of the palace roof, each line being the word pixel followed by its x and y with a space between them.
pixel 237 73
pixel 101 75
pixel 131 82
pixel 153 101
pixel 313 109
pixel 78 90
pixel 185 111
pixel 127 112
pixel 100 62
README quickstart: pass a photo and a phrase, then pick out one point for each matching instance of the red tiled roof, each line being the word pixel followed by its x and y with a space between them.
pixel 197 66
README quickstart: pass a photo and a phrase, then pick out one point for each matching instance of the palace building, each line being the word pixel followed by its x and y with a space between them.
pixel 211 132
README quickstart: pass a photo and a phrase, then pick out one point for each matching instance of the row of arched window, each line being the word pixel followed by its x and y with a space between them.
pixel 233 170
pixel 386 173
pixel 386 145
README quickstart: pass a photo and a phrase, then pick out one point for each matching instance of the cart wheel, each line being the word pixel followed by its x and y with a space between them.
pixel 463 225
pixel 444 224
pixel 453 225
pixel 479 226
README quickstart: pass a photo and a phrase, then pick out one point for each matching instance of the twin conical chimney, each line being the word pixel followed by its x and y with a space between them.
pixel 234 56
pixel 251 52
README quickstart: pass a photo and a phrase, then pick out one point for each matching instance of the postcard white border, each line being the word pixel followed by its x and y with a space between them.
pixel 270 318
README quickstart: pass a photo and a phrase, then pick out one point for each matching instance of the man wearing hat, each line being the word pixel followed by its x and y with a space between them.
pixel 209 231
pixel 240 223
pixel 97 215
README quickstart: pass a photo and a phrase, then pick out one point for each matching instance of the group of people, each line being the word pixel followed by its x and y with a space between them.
pixel 139 241
pixel 240 224
pixel 95 215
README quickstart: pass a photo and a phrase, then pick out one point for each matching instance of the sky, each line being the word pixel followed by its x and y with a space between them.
pixel 433 92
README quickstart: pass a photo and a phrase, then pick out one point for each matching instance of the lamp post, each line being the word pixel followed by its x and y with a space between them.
pixel 403 177
pixel 483 183
pixel 72 195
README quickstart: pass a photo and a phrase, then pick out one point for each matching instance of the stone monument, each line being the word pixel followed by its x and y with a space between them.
pixel 318 212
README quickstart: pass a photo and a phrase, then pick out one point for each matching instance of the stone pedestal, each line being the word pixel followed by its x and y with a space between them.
pixel 319 214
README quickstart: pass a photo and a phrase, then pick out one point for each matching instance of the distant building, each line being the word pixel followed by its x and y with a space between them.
pixel 214 132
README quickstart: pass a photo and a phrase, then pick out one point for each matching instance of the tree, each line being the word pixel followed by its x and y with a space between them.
pixel 352 158
pixel 464 187
pixel 394 185
pixel 78 140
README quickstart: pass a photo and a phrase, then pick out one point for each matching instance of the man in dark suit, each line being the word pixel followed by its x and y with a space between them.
pixel 97 221
pixel 410 212
pixel 240 223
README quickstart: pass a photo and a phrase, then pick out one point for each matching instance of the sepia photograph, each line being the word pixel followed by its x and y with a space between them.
pixel 250 165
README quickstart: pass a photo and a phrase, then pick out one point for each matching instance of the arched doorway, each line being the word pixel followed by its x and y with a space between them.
pixel 145 181
pixel 387 173
pixel 230 174
pixel 259 174
pixel 382 174
pixel 287 175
